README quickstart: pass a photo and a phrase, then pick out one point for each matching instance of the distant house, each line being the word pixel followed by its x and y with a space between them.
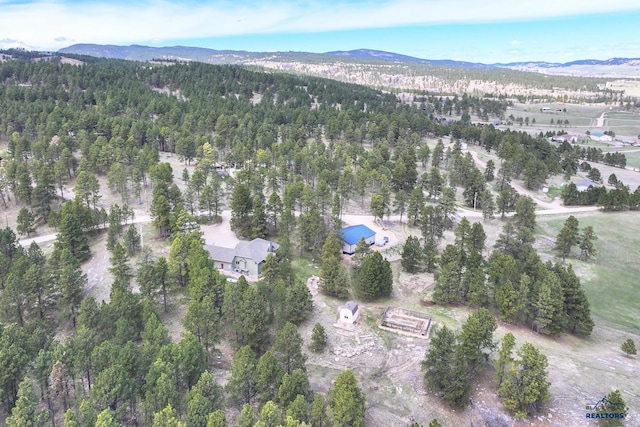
pixel 599 136
pixel 246 258
pixel 564 138
pixel 626 140
pixel 351 236
pixel 349 312
pixel 585 184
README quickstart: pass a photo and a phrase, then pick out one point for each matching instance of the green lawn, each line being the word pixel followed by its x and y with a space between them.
pixel 304 268
pixel 611 281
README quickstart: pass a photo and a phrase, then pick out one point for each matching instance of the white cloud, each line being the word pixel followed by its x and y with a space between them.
pixel 516 42
pixel 48 24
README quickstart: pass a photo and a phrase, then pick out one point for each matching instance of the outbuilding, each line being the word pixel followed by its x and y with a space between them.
pixel 585 184
pixel 349 312
pixel 599 136
pixel 351 236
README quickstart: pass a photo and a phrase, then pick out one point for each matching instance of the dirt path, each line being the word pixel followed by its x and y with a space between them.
pixel 48 237
pixel 600 121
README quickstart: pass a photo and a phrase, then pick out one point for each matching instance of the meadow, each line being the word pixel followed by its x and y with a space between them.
pixel 611 279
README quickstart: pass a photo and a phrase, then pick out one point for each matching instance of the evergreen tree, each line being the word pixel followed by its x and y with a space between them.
pixel 378 206
pixel 614 403
pixel 567 237
pixel 269 374
pixel 505 358
pixel 70 231
pixel 287 348
pixel 318 338
pixel 476 335
pixel 489 172
pixel 87 189
pixel 23 413
pixel 439 360
pixel 26 222
pixel 294 384
pixel 347 401
pixel 298 303
pixel 70 282
pixel 416 204
pixel 411 255
pixel 205 397
pixel 362 250
pixel 167 417
pixel 629 347
pixel 525 216
pixel 242 384
pixel 132 242
pixel 298 409
pixel 274 209
pixel 576 305
pixel 509 302
pixel 253 320
pixel 506 201
pixel 332 272
pixel 270 415
pixel 550 318
pixel 241 208
pixel 246 417
pixel 217 419
pixel 525 386
pixel 375 278
pixel 106 418
pixel 585 243
pixel 259 218
pixel 318 414
pixel 120 264
pixel 70 419
pixel 161 212
pixel 448 288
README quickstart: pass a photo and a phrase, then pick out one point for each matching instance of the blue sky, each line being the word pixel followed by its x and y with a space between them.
pixel 468 30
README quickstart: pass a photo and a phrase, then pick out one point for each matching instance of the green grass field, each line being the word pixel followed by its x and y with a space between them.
pixel 304 268
pixel 612 280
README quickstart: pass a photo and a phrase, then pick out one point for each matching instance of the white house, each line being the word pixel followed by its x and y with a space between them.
pixel 564 138
pixel 349 312
pixel 599 136
pixel 585 184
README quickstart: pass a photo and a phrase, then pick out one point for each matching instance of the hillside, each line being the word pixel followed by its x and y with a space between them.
pixel 379 69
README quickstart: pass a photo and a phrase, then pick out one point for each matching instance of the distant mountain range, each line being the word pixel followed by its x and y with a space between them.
pixel 614 67
pixel 396 57
pixel 147 53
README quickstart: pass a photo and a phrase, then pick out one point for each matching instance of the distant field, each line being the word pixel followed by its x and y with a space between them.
pixel 581 118
pixel 578 115
pixel 611 282
pixel 631 153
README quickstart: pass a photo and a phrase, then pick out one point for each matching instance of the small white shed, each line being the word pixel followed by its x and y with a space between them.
pixel 349 312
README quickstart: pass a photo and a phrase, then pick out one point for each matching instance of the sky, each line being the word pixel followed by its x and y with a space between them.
pixel 488 31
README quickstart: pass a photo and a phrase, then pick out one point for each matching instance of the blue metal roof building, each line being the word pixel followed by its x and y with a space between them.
pixel 351 236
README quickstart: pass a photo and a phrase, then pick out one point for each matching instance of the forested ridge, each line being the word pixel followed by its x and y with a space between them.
pixel 303 150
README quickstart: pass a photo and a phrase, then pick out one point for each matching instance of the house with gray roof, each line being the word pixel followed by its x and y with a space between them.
pixel 245 258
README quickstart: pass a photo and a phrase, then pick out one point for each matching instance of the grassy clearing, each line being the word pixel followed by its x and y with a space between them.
pixel 305 267
pixel 610 281
pixel 577 115
pixel 633 158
